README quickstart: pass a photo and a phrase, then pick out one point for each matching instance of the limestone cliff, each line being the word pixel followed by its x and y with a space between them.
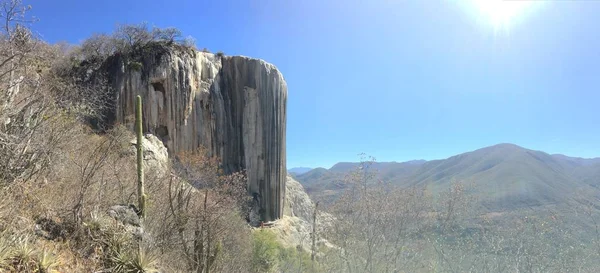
pixel 233 105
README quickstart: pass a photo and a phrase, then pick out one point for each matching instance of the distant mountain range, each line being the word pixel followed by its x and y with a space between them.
pixel 502 177
pixel 299 170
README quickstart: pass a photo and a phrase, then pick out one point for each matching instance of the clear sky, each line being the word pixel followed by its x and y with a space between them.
pixel 398 80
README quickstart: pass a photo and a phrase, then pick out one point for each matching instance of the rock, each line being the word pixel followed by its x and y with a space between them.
pixel 294 229
pixel 156 156
pixel 233 106
pixel 51 230
pixel 129 218
pixel 293 232
pixel 125 214
pixel 297 202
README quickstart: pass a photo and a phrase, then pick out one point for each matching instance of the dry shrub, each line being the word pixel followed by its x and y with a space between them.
pixel 93 173
pixel 200 228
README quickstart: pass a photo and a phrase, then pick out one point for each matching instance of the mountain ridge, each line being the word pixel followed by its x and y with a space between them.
pixel 505 176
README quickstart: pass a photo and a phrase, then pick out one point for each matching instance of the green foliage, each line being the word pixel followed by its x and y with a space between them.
pixel 134 261
pixel 18 254
pixel 120 261
pixel 220 54
pixel 23 255
pixel 46 261
pixel 135 65
pixel 142 262
pixel 265 251
pixel 120 251
pixel 269 255
pixel 122 255
pixel 295 260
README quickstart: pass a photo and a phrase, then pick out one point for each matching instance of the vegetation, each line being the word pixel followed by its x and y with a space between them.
pixel 60 180
pixel 269 255
pixel 446 232
pixel 67 189
pixel 140 157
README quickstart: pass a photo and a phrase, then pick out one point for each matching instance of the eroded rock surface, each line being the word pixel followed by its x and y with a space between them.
pixel 294 229
pixel 233 106
pixel 156 156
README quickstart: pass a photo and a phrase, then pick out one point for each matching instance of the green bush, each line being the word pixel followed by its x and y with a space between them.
pixel 296 260
pixel 265 251
pixel 135 65
pixel 269 255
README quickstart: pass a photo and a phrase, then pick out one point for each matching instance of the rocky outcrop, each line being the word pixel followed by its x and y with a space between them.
pixel 156 156
pixel 294 229
pixel 297 202
pixel 233 106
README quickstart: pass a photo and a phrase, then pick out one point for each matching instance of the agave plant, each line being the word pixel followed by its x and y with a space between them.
pixel 5 252
pixel 120 261
pixel 46 261
pixel 143 262
pixel 22 257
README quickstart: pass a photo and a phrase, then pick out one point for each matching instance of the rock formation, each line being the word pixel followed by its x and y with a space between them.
pixel 297 202
pixel 156 156
pixel 294 229
pixel 233 106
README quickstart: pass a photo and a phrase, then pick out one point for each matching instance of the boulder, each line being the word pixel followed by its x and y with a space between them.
pixel 156 156
pixel 128 215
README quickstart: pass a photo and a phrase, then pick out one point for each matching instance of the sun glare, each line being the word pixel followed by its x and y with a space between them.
pixel 501 13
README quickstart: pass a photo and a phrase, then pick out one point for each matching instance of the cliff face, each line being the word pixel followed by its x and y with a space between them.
pixel 234 106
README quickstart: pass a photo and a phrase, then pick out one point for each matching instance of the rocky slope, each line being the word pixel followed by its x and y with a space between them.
pixel 294 229
pixel 233 106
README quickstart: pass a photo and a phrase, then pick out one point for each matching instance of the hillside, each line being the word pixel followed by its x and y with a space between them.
pixel 325 184
pixel 503 176
pixel 299 170
pixel 80 193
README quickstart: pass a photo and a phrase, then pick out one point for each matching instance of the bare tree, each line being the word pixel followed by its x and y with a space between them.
pixel 374 224
pixel 88 166
pixel 25 108
pixel 201 211
pixel 99 46
pixel 169 35
pixel 131 37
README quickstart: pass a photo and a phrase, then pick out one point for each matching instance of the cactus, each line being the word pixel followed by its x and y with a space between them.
pixel 140 157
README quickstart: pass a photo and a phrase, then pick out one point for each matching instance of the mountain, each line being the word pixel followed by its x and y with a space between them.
pixel 502 177
pixel 325 184
pixel 577 160
pixel 299 170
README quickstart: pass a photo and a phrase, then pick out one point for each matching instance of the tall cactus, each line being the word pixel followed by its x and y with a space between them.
pixel 140 157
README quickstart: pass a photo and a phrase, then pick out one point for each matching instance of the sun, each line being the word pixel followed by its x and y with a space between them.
pixel 501 13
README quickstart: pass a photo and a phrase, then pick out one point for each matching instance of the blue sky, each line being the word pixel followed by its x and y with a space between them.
pixel 398 80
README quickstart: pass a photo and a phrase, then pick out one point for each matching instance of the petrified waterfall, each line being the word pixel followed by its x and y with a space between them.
pixel 234 106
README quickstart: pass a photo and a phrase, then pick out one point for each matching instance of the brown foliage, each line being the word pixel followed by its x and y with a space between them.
pixel 201 220
pixel 364 214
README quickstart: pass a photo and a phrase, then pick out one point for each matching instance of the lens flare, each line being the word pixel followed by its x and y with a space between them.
pixel 501 14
